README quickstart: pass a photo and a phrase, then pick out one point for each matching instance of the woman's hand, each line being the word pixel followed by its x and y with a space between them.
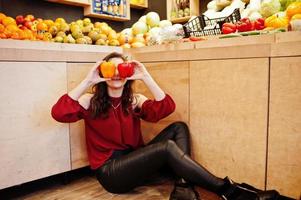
pixel 93 75
pixel 140 72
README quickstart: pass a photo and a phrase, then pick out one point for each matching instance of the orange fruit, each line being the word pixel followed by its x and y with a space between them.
pixel 41 26
pixel 7 33
pixel 8 20
pixel 123 39
pixel 60 20
pixel 28 34
pixel 3 36
pixel 293 8
pixel 2 16
pixel 105 29
pixel 49 22
pixel 40 36
pixel 22 35
pixel 112 35
pixel 12 28
pixel 2 28
pixel 15 36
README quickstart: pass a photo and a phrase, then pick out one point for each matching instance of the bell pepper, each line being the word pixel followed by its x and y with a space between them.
pixel 107 69
pixel 259 24
pixel 126 69
pixel 276 22
pixel 244 25
pixel 228 28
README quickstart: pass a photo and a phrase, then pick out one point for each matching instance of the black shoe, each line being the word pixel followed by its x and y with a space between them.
pixel 184 191
pixel 234 191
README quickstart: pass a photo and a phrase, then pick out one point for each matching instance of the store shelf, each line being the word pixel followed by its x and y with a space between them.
pixel 139 5
pixel 193 6
pixel 180 20
pixel 88 12
pixel 82 3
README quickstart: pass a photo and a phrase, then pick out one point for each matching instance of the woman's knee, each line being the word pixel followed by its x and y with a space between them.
pixel 181 127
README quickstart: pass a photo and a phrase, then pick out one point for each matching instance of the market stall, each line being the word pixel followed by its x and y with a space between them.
pixel 239 90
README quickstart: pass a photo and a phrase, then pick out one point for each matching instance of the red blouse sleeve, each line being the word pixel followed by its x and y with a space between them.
pixel 153 111
pixel 67 110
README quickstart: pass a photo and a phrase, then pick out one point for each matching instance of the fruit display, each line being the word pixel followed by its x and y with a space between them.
pixel 255 14
pixel 82 31
pixel 150 30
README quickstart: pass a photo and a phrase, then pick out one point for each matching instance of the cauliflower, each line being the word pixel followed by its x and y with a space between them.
pixel 269 7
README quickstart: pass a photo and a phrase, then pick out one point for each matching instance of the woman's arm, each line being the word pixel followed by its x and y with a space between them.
pixel 91 79
pixel 142 74
pixel 71 107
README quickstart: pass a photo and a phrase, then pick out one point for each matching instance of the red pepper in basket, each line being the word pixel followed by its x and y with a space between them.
pixel 259 24
pixel 244 25
pixel 229 28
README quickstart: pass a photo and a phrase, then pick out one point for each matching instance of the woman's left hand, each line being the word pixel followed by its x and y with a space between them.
pixel 140 72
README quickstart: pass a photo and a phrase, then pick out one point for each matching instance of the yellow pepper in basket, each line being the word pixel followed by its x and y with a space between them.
pixel 276 22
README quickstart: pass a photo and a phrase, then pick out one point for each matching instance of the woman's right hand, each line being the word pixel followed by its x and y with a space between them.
pixel 93 75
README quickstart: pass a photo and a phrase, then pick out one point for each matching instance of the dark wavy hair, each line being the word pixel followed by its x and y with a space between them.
pixel 100 102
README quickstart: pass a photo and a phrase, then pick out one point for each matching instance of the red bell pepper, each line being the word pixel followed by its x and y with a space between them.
pixel 228 28
pixel 259 24
pixel 126 69
pixel 244 25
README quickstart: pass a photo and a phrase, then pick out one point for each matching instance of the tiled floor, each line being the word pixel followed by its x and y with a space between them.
pixel 82 185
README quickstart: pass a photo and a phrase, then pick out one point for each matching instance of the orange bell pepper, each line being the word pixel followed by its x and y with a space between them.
pixel 107 69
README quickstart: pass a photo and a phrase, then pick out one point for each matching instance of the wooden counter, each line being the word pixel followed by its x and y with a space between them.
pixel 240 96
pixel 244 106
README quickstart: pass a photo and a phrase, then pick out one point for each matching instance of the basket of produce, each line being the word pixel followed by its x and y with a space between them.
pixel 202 25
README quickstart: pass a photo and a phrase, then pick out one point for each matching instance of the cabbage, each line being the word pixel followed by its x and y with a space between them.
pixel 212 5
pixel 127 31
pixel 164 23
pixel 152 19
pixel 254 15
pixel 270 7
pixel 139 28
pixel 142 19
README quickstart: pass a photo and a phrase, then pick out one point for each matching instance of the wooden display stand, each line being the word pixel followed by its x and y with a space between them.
pixel 139 6
pixel 72 2
pixel 88 11
pixel 194 11
pixel 240 97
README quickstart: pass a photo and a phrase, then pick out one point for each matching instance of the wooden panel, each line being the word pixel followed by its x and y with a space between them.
pixel 12 50
pixel 286 49
pixel 247 51
pixel 76 73
pixel 214 41
pixel 33 145
pixel 228 117
pixel 172 77
pixel 284 160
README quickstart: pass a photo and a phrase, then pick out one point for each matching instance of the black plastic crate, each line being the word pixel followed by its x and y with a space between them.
pixel 196 26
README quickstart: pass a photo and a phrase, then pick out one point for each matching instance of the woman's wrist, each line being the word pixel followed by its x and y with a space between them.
pixel 146 78
pixel 87 83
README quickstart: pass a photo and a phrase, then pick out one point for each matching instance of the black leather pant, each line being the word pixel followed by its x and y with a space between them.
pixel 170 148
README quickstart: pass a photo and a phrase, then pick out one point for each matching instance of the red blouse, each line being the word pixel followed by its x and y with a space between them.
pixel 118 131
